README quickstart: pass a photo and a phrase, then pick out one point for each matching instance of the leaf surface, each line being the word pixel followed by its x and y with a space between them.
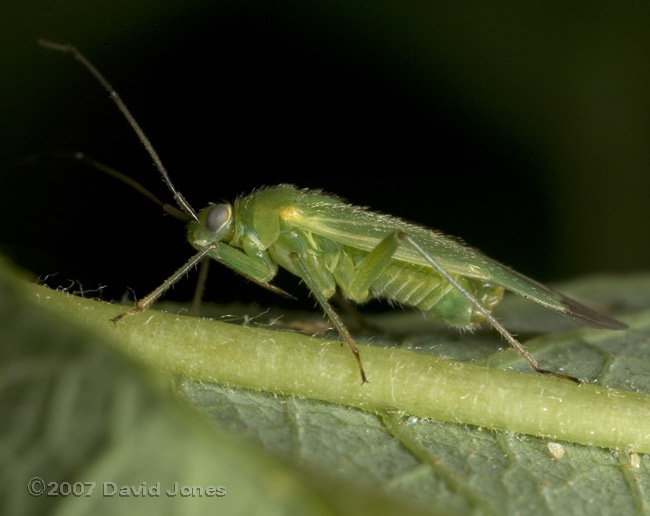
pixel 80 410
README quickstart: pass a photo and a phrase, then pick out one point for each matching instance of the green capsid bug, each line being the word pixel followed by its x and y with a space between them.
pixel 331 245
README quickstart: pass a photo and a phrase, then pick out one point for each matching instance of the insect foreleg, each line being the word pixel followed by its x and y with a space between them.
pixel 484 311
pixel 254 269
pixel 149 300
pixel 259 270
pixel 308 274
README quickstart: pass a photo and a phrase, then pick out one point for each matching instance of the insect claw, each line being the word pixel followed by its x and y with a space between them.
pixel 133 310
pixel 560 375
pixel 121 316
pixel 357 355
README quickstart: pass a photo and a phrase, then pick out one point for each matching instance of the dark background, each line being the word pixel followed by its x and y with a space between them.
pixel 523 130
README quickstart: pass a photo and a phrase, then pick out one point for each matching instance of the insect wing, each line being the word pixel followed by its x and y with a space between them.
pixel 362 229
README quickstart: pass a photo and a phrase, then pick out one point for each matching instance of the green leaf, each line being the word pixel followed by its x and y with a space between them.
pixel 78 416
pixel 382 450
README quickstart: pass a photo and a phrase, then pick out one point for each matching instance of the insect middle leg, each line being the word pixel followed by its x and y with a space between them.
pixel 355 287
pixel 314 282
pixel 200 287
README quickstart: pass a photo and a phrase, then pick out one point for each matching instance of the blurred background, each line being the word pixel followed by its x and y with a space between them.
pixel 522 129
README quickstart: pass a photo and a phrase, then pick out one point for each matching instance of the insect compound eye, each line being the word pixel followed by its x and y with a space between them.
pixel 217 216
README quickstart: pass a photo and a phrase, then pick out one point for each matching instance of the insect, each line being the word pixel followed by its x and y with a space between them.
pixel 330 244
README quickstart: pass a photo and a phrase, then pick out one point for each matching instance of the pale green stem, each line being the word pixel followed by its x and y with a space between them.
pixel 399 380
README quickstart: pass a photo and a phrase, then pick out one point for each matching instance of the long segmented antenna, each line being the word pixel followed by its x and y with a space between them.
pixel 110 171
pixel 69 49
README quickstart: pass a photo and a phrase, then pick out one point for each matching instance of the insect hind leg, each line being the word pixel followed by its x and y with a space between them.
pixel 405 238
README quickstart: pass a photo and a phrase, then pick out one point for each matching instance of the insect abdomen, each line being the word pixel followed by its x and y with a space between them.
pixel 423 289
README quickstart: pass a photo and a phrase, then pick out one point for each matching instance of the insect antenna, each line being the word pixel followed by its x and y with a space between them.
pixel 120 176
pixel 115 97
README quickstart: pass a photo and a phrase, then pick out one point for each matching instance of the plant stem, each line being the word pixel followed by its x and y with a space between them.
pixel 292 364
